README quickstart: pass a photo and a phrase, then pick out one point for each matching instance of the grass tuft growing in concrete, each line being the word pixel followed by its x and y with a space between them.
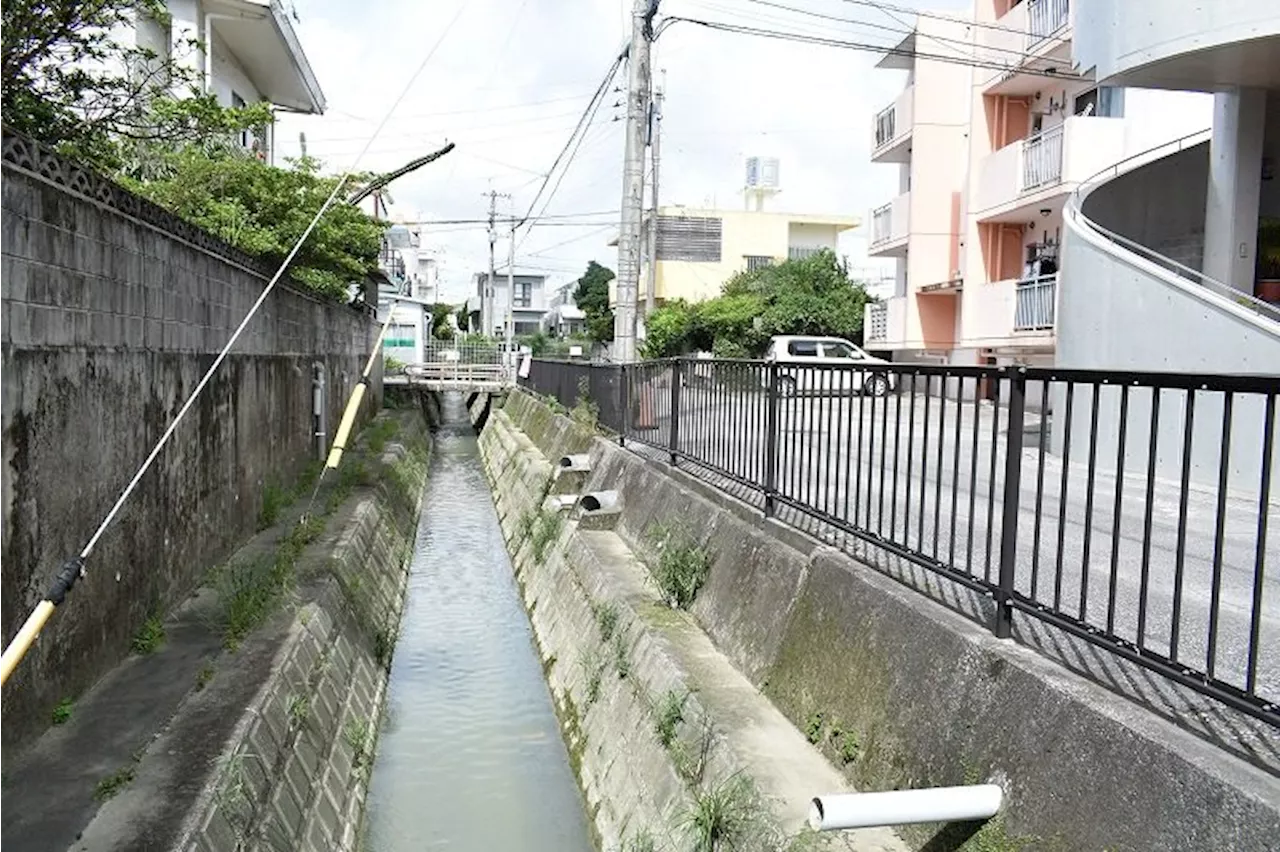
pixel 545 531
pixel 670 713
pixel 380 431
pixel 682 567
pixel 593 669
pixel 359 735
pixel 606 619
pixel 724 816
pixel 62 711
pixel 621 660
pixel 250 590
pixel 149 637
pixel 118 780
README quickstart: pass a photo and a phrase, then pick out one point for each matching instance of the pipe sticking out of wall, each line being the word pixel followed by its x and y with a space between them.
pixel 597 500
pixel 841 811
pixel 581 461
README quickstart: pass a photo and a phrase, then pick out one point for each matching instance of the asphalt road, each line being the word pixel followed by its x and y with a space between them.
pixel 915 479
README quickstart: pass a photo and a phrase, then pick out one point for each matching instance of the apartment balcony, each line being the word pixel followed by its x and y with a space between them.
pixel 889 228
pixel 1035 304
pixel 1011 315
pixel 1032 35
pixel 891 130
pixel 1015 181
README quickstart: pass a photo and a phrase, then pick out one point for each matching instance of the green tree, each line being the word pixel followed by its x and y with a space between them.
pixel 809 296
pixel 592 296
pixel 440 328
pixel 263 210
pixel 68 80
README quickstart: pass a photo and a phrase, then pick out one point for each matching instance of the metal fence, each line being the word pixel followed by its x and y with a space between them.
pixel 1148 538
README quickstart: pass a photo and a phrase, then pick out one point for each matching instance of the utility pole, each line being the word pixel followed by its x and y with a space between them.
pixel 511 290
pixel 630 236
pixel 655 139
pixel 487 292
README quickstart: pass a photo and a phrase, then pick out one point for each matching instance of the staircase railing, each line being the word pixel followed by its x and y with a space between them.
pixel 1075 217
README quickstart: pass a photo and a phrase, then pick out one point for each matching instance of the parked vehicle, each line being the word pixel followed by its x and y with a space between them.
pixel 824 366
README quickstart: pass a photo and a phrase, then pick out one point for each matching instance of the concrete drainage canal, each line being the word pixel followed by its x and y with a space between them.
pixel 470 754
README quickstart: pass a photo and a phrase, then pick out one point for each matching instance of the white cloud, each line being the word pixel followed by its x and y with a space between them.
pixel 511 77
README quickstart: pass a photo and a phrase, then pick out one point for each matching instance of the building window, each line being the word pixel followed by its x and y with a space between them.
pixel 246 138
pixel 1104 101
pixel 757 261
pixel 689 238
pixel 401 336
pixel 524 294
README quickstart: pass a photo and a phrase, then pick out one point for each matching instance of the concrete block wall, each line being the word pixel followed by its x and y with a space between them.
pixel 931 698
pixel 296 773
pixel 110 317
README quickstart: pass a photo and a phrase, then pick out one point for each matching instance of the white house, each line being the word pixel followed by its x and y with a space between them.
pixel 247 52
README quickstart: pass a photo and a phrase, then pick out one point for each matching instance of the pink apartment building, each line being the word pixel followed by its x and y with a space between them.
pixel 993 133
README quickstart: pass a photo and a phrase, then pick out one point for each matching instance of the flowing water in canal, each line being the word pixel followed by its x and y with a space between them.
pixel 470 755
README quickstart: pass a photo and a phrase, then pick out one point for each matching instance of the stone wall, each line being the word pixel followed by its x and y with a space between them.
pixel 112 312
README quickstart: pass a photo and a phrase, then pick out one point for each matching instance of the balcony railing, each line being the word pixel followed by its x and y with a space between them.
pixel 877 324
pixel 885 125
pixel 1042 159
pixel 1035 303
pixel 882 224
pixel 804 252
pixel 1044 18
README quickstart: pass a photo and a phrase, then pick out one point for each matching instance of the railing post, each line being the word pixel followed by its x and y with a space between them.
pixel 622 399
pixel 771 442
pixel 1003 625
pixel 674 429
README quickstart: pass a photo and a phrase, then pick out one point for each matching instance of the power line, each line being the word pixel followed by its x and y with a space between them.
pixel 904 28
pixel 881 7
pixel 564 171
pixel 541 218
pixel 402 133
pixel 863 46
pixel 471 111
pixel 587 115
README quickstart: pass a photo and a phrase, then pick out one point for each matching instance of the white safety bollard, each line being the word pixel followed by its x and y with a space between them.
pixel 905 807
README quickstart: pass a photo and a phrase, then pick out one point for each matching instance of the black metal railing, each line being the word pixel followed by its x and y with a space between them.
pixel 1128 509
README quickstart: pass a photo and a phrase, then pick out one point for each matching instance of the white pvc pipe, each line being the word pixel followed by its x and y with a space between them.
pixel 905 807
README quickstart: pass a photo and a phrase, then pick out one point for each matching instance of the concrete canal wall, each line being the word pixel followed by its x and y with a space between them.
pixel 808 671
pixel 286 764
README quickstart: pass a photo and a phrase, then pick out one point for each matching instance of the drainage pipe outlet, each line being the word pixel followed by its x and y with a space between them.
pixel 581 461
pixel 905 807
pixel 597 500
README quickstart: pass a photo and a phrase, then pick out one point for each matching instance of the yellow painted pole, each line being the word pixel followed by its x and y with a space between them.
pixel 344 429
pixel 72 570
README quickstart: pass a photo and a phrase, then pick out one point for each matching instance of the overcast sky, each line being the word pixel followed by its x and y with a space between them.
pixel 511 78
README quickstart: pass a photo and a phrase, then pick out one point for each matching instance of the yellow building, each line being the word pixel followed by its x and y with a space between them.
pixel 700 249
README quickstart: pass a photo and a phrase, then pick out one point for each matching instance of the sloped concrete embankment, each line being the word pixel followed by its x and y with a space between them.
pixel 291 769
pixel 668 741
pixel 896 690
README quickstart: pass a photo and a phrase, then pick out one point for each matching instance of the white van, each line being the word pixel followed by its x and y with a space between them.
pixel 794 352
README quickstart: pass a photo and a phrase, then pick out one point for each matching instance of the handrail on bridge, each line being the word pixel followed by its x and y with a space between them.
pixel 1073 214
